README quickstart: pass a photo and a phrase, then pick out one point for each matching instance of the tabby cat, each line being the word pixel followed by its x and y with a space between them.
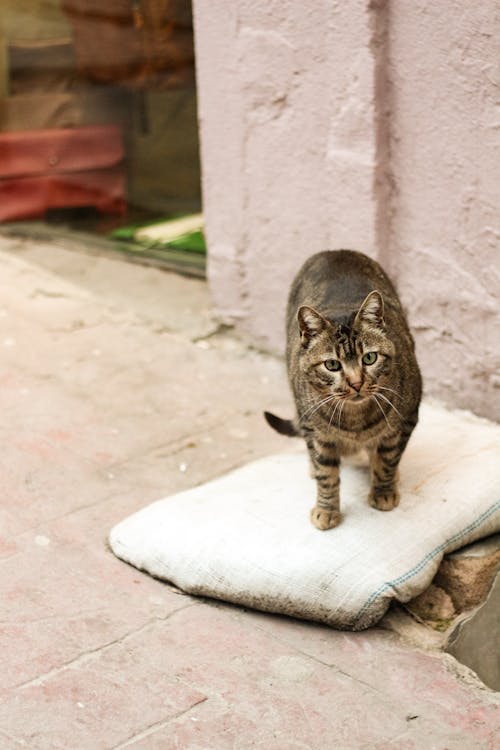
pixel 354 375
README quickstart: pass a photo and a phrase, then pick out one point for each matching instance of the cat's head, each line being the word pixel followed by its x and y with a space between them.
pixel 349 357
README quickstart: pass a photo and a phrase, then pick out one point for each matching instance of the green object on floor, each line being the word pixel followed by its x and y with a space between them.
pixel 193 241
pixel 177 242
pixel 125 234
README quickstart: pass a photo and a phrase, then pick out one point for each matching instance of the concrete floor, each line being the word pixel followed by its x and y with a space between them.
pixel 116 391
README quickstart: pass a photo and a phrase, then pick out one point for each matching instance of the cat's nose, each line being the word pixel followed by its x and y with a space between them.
pixel 357 385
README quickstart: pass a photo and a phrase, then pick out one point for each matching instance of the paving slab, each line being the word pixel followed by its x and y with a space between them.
pixel 118 388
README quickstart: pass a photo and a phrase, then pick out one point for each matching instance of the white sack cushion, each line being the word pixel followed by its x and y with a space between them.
pixel 246 537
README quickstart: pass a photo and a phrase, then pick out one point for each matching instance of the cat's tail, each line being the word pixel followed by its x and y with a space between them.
pixel 283 426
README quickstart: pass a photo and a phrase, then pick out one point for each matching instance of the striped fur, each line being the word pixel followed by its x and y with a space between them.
pixel 353 373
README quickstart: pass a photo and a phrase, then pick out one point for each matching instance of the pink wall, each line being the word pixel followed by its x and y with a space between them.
pixel 445 160
pixel 362 125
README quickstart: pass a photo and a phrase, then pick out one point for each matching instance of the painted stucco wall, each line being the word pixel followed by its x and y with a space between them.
pixel 445 161
pixel 369 125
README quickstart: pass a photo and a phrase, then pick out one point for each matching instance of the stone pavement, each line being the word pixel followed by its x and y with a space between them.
pixel 118 389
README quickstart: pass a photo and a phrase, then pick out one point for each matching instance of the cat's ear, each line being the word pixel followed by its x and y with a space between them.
pixel 310 323
pixel 371 312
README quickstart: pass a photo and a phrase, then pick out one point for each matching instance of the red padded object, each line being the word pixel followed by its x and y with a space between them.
pixel 60 168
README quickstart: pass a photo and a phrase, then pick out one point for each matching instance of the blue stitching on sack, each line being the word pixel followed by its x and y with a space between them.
pixel 406 576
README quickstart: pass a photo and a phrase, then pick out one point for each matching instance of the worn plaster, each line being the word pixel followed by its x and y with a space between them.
pixel 369 125
pixel 445 152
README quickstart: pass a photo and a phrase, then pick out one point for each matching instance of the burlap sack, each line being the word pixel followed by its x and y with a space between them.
pixel 246 537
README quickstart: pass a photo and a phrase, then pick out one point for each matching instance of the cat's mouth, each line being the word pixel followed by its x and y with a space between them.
pixel 353 397
pixel 357 397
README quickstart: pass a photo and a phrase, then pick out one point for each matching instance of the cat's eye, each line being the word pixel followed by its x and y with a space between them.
pixel 369 358
pixel 333 365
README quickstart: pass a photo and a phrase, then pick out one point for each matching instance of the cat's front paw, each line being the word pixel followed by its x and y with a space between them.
pixel 325 519
pixel 384 500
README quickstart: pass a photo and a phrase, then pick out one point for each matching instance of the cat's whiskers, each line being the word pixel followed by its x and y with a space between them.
pixel 385 388
pixel 314 402
pixel 392 406
pixel 340 410
pixel 336 406
pixel 378 404
pixel 316 405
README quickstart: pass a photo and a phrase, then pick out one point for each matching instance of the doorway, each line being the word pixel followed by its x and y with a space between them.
pixel 98 127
